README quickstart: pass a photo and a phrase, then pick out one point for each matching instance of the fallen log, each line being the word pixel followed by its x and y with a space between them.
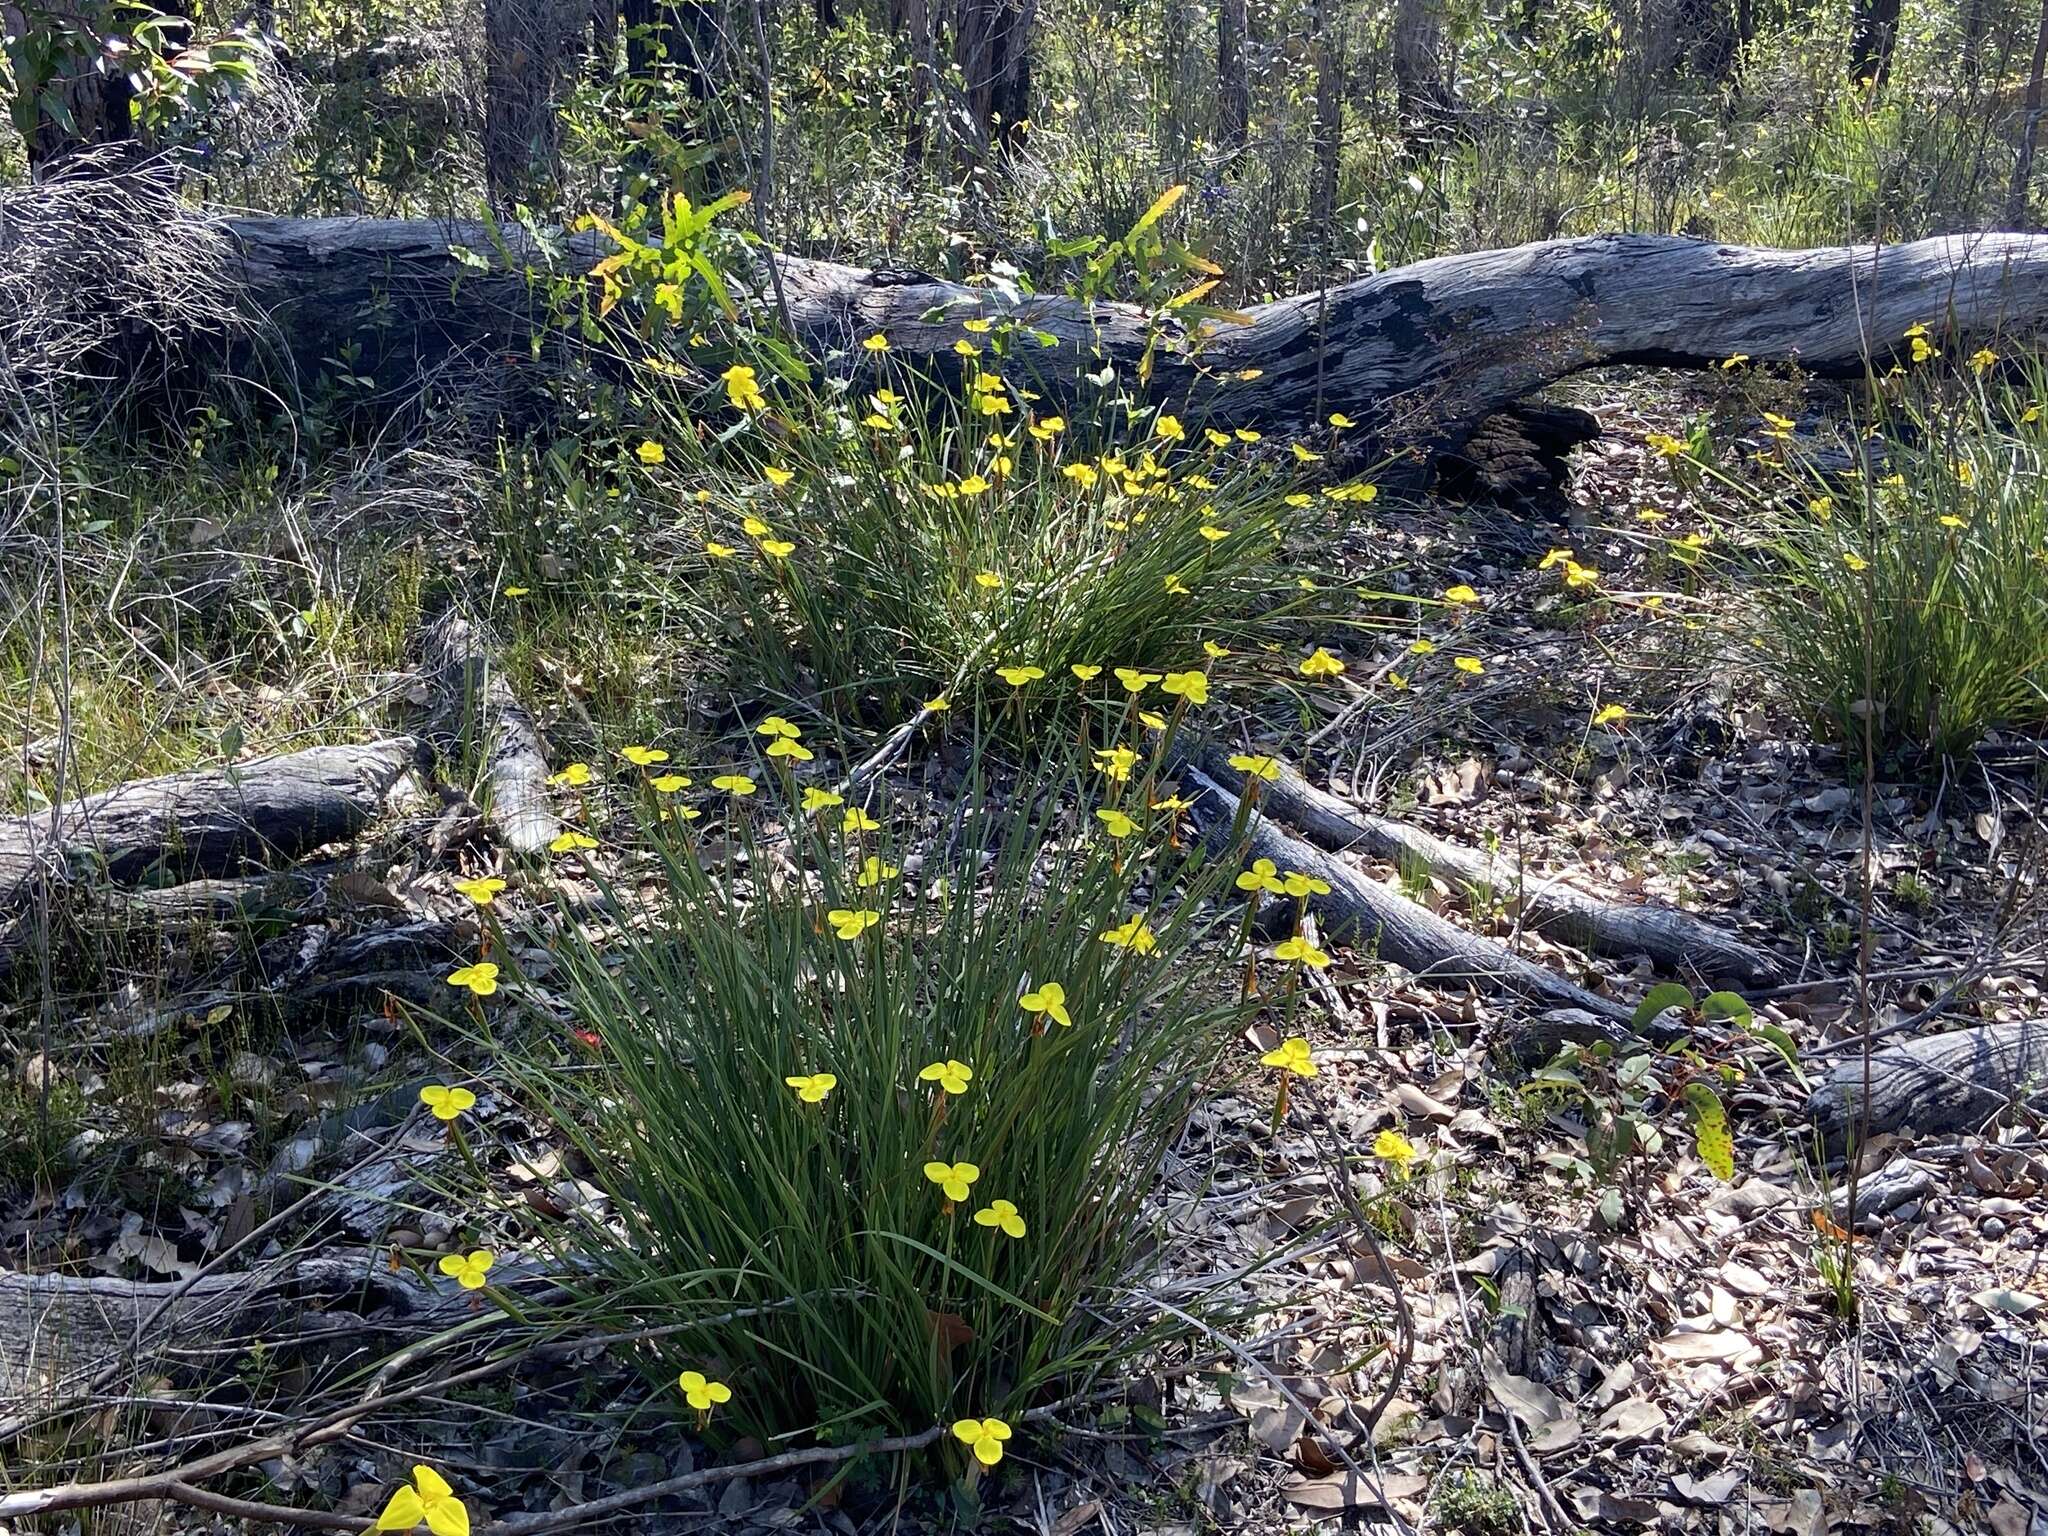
pixel 209 822
pixel 1418 356
pixel 479 705
pixel 1935 1085
pixel 1364 913
pixel 1675 941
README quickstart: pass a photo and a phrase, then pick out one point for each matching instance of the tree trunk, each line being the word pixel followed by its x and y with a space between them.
pixel 2030 130
pixel 1873 35
pixel 524 57
pixel 1421 93
pixel 479 704
pixel 211 822
pixel 1329 124
pixel 1233 76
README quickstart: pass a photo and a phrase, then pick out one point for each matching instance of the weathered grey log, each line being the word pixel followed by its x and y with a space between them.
pixel 1418 356
pixel 1674 940
pixel 1365 913
pixel 1936 1085
pixel 462 659
pixel 60 1330
pixel 209 822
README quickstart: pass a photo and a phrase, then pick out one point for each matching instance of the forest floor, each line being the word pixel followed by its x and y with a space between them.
pixel 1646 1347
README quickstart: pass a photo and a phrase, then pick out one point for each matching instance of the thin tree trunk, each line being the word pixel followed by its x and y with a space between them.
pixel 524 54
pixel 1329 123
pixel 2030 131
pixel 1873 36
pixel 1233 76
pixel 915 19
pixel 1422 96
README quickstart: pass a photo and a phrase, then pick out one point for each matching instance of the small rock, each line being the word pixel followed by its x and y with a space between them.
pixel 1992 1227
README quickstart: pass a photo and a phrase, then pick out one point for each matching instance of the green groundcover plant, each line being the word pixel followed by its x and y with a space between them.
pixel 879 1122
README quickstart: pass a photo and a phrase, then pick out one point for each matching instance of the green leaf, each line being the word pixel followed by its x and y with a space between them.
pixel 1710 1131
pixel 1729 1006
pixel 1665 995
pixel 1783 1044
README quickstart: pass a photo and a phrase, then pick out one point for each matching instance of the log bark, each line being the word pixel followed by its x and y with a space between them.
pixel 1419 355
pixel 1936 1085
pixel 209 822
pixel 462 659
pixel 1675 941
pixel 1366 914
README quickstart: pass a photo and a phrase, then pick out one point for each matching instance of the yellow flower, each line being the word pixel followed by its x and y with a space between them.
pixel 1169 427
pixel 1305 455
pixel 481 978
pixel 777 549
pixel 1340 421
pixel 1192 686
pixel 812 1087
pixel 777 475
pixel 873 872
pixel 572 841
pixel 1051 1000
pixel 702 1393
pixel 978 325
pixel 1049 428
pixel 1321 663
pixel 775 725
pixel 1471 664
pixel 483 892
pixel 651 452
pixel 468 1269
pixel 1950 520
pixel 1117 762
pixel 1610 714
pixel 1256 765
pixel 954 1178
pixel 1577 575
pixel 816 799
pixel 1212 533
pixel 782 746
pixel 1246 434
pixel 743 389
pixel 1391 1146
pixel 427 1497
pixel 1296 884
pixel 1018 676
pixel 445 1102
pixel 849 924
pixel 718 551
pixel 1152 720
pixel 517 591
pixel 754 528
pixel 984 1437
pixel 1001 1214
pixel 1298 948
pixel 576 775
pixel 1664 443
pixel 1736 361
pixel 735 783
pixel 974 485
pixel 643 757
pixel 1134 933
pixel 1778 426
pixel 669 783
pixel 1211 648
pixel 1264 875
pixel 1460 594
pixel 951 1076
pixel 1298 499
pixel 1176 586
pixel 1118 824
pixel 1854 561
pixel 1135 681
pixel 988 579
pixel 1087 672
pixel 938 704
pixel 876 343
pixel 858 820
pixel 1291 1056
pixel 1083 474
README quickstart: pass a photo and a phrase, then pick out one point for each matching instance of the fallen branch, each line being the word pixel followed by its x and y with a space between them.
pixel 209 822
pixel 1936 1084
pixel 1365 913
pixel 1674 940
pixel 479 701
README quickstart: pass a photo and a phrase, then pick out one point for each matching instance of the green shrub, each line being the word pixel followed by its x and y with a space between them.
pixel 1917 594
pixel 869 1301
